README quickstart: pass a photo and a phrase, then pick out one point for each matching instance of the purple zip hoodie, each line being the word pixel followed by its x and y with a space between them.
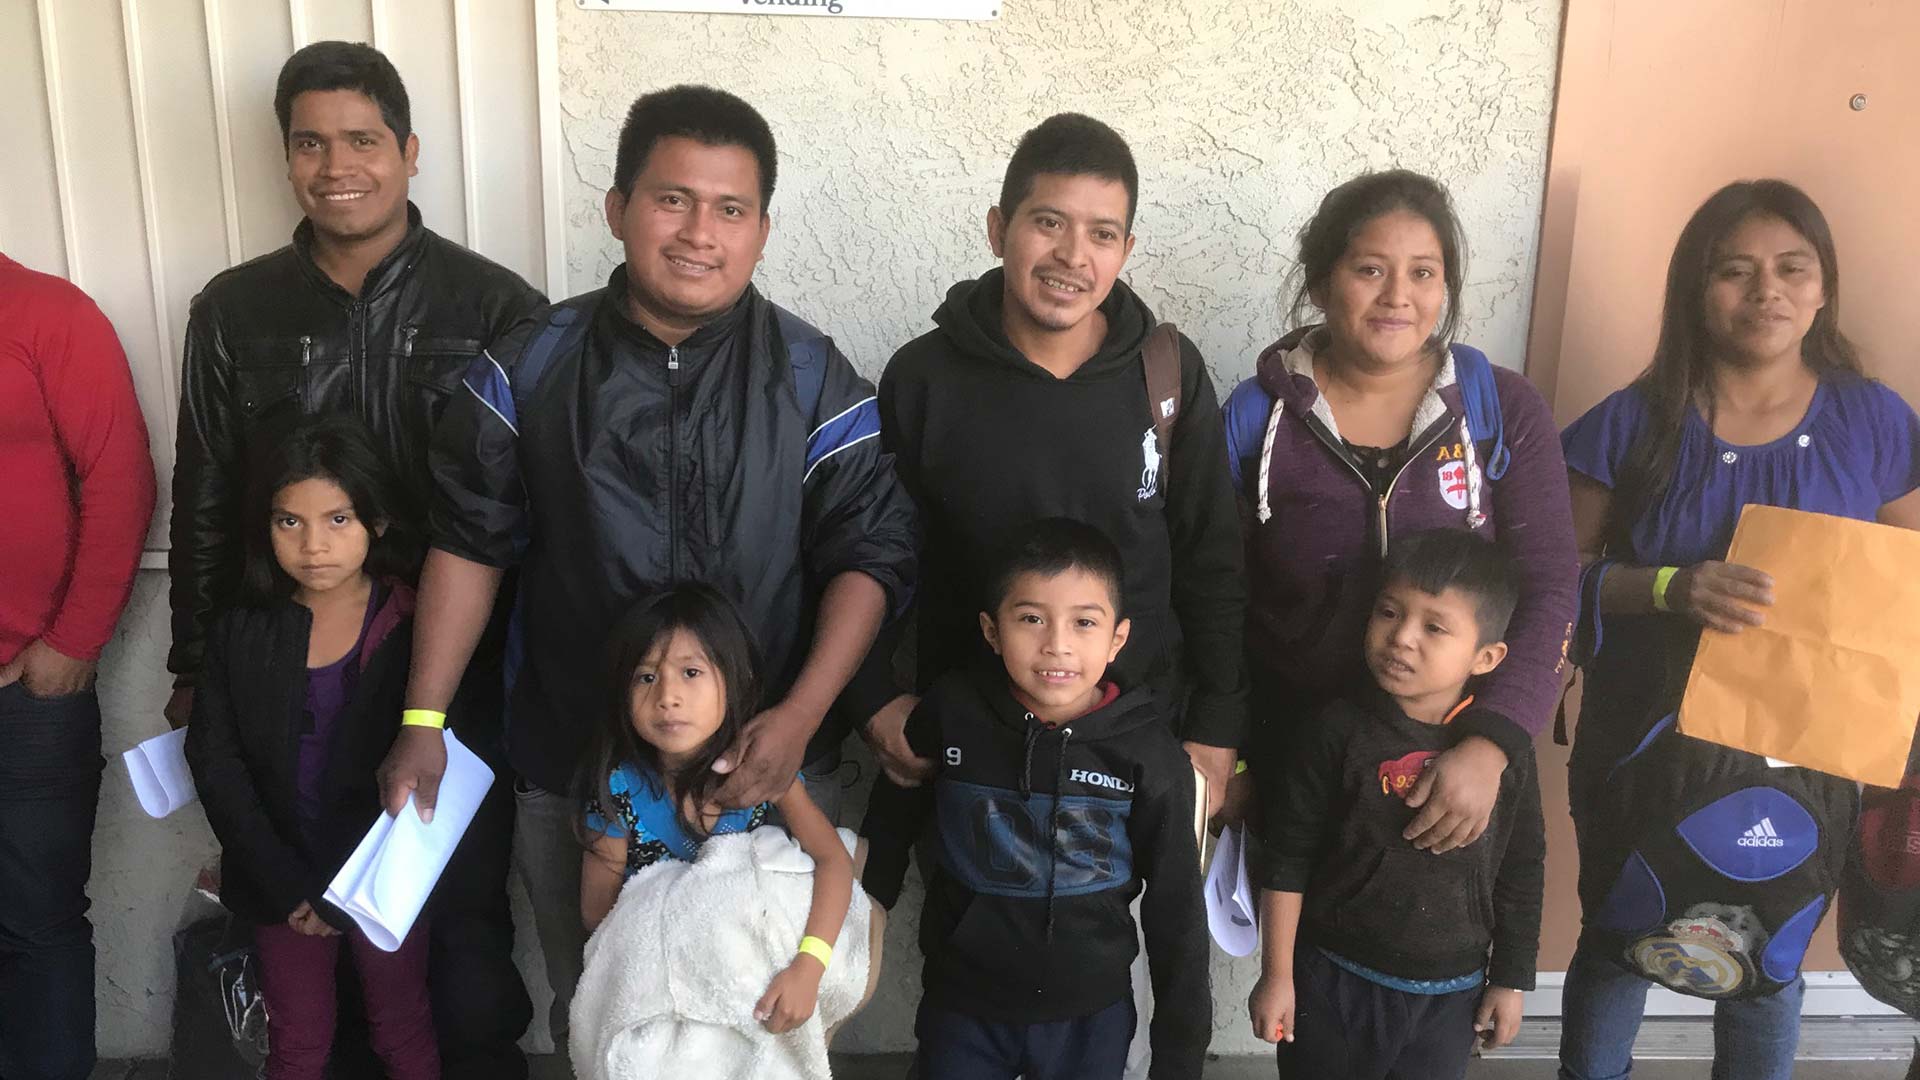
pixel 1317 535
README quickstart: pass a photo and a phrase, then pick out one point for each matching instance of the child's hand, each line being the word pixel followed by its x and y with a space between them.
pixel 1271 1008
pixel 790 998
pixel 1498 1020
pixel 305 920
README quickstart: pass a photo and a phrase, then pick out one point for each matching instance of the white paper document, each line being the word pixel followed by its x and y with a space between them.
pixel 387 879
pixel 1230 900
pixel 161 779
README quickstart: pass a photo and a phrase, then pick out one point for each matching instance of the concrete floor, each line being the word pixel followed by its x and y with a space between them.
pixel 1240 1068
pixel 1865 1048
pixel 894 1068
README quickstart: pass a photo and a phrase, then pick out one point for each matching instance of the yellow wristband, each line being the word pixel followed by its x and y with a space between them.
pixel 1239 767
pixel 1661 579
pixel 819 950
pixel 423 718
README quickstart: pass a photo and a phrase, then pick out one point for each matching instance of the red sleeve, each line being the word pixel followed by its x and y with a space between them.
pixel 97 422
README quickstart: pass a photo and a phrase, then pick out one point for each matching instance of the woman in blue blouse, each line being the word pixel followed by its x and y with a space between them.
pixel 1753 396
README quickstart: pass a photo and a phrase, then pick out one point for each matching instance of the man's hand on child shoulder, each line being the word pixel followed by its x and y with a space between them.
pixel 791 997
pixel 1270 1007
pixel 1498 1019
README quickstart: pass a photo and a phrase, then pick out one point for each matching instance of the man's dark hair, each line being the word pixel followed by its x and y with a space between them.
pixel 1069 144
pixel 339 448
pixel 1050 547
pixel 707 116
pixel 343 65
pixel 1436 560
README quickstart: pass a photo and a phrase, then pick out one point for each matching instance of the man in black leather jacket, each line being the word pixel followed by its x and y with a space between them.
pixel 367 312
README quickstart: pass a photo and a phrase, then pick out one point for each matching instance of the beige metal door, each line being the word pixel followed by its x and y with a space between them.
pixel 1661 103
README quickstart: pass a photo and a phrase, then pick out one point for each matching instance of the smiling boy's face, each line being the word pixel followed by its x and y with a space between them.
pixel 1057 633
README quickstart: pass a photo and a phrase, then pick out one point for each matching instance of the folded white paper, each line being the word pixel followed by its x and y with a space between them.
pixel 1230 900
pixel 387 879
pixel 160 775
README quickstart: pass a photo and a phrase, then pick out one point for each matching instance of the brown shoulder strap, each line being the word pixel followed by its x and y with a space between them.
pixel 1161 358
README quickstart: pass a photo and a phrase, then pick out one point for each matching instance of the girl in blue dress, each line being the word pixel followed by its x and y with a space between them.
pixel 684 684
pixel 1753 396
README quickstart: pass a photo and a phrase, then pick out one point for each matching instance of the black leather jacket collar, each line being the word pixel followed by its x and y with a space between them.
pixel 386 275
pixel 274 339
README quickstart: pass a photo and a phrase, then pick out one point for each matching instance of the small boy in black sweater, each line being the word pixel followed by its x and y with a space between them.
pixel 1379 959
pixel 1056 796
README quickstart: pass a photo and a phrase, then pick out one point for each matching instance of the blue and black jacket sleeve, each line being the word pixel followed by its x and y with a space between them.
pixel 479 506
pixel 856 517
pixel 897 815
pixel 1173 916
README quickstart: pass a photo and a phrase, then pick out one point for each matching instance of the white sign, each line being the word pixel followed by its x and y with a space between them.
pixel 857 9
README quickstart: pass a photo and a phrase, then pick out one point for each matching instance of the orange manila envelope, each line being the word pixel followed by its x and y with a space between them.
pixel 1832 681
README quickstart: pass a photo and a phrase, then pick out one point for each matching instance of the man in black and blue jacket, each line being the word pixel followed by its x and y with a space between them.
pixel 674 426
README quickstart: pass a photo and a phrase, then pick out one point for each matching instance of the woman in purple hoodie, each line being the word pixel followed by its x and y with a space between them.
pixel 1355 431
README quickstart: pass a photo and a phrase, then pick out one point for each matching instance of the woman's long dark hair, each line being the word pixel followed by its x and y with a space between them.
pixel 1682 367
pixel 711 618
pixel 337 448
pixel 1350 207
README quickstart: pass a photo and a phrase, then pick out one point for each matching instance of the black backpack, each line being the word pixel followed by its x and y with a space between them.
pixel 1726 865
pixel 1880 896
pixel 219 1014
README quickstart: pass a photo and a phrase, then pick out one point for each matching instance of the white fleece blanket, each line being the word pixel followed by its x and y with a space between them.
pixel 673 973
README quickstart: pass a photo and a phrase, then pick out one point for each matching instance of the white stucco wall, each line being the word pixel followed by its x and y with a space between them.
pixel 893 138
pixel 894 135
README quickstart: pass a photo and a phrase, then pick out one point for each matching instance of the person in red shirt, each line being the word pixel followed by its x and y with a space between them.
pixel 74 509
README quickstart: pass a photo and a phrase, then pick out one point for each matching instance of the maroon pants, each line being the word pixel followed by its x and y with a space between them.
pixel 296 978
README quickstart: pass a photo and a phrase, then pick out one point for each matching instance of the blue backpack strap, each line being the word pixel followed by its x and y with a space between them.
pixel 807 357
pixel 507 397
pixel 807 354
pixel 1245 417
pixel 566 325
pixel 1473 372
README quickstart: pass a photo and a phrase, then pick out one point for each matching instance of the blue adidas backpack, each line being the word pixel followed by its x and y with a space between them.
pixel 1726 864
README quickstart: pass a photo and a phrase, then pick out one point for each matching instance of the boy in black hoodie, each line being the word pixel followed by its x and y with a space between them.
pixel 1376 955
pixel 1033 397
pixel 1056 796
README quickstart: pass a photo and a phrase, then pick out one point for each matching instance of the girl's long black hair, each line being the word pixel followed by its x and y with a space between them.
pixel 1682 368
pixel 702 612
pixel 333 447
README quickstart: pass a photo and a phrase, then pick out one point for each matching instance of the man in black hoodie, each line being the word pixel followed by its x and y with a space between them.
pixel 1057 798
pixel 1031 399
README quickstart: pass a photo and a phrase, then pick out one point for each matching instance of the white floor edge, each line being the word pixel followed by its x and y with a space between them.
pixel 1829 993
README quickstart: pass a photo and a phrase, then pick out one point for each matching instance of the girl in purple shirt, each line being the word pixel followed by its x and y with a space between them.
pixel 1753 396
pixel 299 701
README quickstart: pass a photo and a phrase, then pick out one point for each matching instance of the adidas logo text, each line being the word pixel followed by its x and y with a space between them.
pixel 1761 835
